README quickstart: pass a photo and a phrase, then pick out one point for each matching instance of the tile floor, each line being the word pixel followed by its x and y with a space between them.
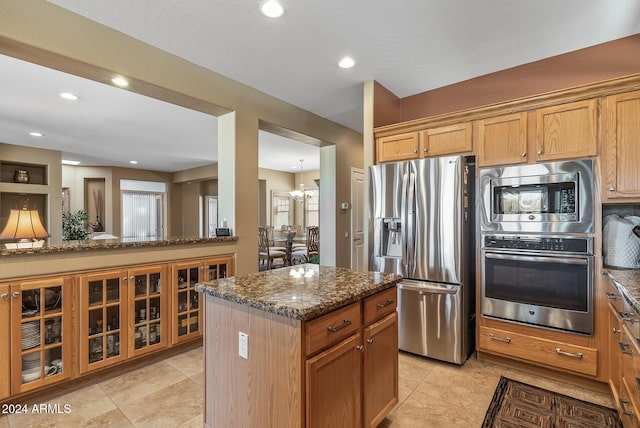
pixel 169 394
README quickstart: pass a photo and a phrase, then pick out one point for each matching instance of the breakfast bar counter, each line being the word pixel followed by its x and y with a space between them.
pixel 301 346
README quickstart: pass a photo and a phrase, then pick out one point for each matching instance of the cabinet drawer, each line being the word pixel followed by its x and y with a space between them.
pixel 332 328
pixel 630 365
pixel 380 305
pixel 539 351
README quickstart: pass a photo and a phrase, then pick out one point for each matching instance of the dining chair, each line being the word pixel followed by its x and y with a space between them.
pixel 267 256
pixel 312 247
pixel 272 246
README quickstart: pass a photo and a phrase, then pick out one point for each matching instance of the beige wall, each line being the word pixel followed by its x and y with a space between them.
pixel 43 33
pixel 275 180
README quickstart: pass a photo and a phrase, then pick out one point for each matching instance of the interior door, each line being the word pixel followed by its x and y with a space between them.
pixel 358 255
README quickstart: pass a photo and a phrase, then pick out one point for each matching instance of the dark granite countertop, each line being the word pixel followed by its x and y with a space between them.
pixel 628 282
pixel 92 245
pixel 301 292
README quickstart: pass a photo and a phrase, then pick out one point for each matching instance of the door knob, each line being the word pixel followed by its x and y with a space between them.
pixel 523 154
pixel 612 189
pixel 370 341
pixel 15 294
pixel 539 152
pixel 5 296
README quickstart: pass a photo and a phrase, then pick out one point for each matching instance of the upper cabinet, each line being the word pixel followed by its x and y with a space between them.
pixel 502 140
pixel 439 141
pixel 447 140
pixel 621 157
pixel 567 131
pixel 398 147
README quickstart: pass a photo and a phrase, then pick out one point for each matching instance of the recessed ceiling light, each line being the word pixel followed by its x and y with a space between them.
pixel 271 9
pixel 346 62
pixel 36 134
pixel 70 162
pixel 133 162
pixel 120 81
pixel 68 96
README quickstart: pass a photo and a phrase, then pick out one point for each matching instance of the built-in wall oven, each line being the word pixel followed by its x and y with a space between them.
pixel 540 280
pixel 536 234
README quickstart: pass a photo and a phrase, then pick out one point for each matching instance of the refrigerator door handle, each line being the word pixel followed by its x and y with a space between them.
pixel 403 216
pixel 410 227
pixel 427 288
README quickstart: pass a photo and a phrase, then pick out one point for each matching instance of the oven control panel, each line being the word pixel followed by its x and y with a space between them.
pixel 539 243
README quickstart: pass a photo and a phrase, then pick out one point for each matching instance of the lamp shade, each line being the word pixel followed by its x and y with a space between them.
pixel 24 224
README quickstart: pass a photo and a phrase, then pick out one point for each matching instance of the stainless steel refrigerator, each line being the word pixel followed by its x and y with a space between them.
pixel 421 227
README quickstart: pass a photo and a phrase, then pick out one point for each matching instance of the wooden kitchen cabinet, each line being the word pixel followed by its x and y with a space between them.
pixel 187 313
pixel 380 369
pixel 399 147
pixel 566 131
pixel 41 330
pixel 334 387
pixel 621 157
pixel 147 310
pixel 447 140
pixel 5 343
pixel 371 364
pixel 502 140
pixel 103 319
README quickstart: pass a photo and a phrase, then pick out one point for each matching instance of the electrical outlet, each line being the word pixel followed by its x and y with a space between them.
pixel 243 345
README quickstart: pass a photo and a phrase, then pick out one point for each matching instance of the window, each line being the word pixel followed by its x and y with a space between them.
pixel 312 209
pixel 280 209
pixel 143 209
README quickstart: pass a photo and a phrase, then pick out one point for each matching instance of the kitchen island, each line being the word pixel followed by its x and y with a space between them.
pixel 304 346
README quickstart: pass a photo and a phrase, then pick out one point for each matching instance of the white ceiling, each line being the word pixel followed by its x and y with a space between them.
pixel 409 46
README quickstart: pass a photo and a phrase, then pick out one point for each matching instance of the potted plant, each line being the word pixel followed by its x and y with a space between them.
pixel 74 226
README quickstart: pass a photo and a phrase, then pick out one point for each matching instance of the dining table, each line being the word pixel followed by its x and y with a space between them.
pixel 288 242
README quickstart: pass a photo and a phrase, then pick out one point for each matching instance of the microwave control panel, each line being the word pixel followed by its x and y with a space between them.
pixel 565 245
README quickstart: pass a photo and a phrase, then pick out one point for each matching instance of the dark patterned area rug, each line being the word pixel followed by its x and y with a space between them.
pixel 516 404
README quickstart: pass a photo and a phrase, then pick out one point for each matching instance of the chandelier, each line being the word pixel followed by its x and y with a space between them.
pixel 300 194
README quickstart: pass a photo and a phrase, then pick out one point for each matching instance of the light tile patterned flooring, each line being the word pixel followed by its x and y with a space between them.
pixel 169 394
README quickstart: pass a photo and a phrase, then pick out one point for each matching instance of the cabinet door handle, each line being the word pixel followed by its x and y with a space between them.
pixel 611 295
pixel 499 339
pixel 623 347
pixel 624 316
pixel 623 407
pixel 615 330
pixel 125 278
pixel 523 154
pixel 385 304
pixel 539 152
pixel 425 150
pixel 345 324
pixel 360 348
pixel 5 296
pixel 15 294
pixel 612 189
pixel 569 354
pixel 370 341
pixel 415 151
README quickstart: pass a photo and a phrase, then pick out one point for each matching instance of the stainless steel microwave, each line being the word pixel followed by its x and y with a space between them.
pixel 554 197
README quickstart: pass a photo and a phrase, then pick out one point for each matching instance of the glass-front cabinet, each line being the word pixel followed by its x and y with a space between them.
pixel 147 310
pixel 103 326
pixel 41 318
pixel 187 305
pixel 5 343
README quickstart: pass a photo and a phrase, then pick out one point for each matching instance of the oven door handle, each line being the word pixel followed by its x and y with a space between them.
pixel 538 259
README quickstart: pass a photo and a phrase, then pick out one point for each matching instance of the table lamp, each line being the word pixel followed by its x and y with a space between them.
pixel 24 227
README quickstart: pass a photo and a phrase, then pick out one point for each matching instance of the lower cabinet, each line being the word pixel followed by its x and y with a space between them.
pixel 355 381
pixel 41 330
pixel 60 327
pixel 334 385
pixel 5 343
pixel 187 313
pixel 624 357
pixel 380 369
